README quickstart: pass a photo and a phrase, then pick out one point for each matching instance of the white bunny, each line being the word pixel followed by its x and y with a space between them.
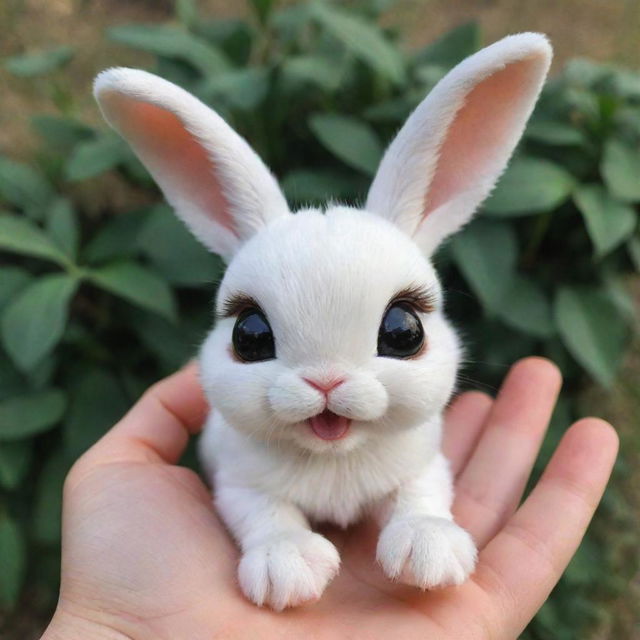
pixel 331 361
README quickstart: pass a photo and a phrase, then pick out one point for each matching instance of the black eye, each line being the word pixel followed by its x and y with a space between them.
pixel 401 334
pixel 252 337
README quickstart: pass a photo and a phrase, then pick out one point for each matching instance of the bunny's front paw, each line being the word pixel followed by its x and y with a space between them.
pixel 426 552
pixel 288 570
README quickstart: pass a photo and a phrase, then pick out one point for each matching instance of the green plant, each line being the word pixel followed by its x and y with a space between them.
pixel 96 303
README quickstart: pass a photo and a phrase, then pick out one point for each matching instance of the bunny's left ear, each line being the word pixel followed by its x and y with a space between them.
pixel 210 175
pixel 449 154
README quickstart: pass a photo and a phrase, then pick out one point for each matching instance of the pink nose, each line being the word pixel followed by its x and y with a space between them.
pixel 324 386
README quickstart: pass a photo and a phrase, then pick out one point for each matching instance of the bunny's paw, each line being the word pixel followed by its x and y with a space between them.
pixel 288 570
pixel 426 552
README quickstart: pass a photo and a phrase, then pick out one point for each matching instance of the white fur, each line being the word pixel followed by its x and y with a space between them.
pixel 454 146
pixel 223 201
pixel 324 280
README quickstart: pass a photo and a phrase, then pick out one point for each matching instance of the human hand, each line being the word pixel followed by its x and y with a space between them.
pixel 145 556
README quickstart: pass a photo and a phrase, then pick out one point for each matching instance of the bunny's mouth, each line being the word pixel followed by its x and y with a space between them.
pixel 329 426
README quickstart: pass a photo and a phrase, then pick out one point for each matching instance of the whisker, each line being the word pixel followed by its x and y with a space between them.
pixel 478 383
pixel 461 292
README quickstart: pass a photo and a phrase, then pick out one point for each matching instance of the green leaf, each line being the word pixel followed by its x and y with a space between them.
pixel 395 110
pixel 244 89
pixel 365 40
pixel 15 459
pixel 13 562
pixel 322 71
pixel 616 287
pixel 486 253
pixel 171 42
pixel 633 247
pixel 352 140
pixel 529 185
pixel 187 12
pixel 28 414
pixel 627 83
pixel 93 157
pixel 97 402
pixel 38 63
pixel 34 321
pixel 305 186
pixel 12 279
pixel 11 381
pixel 628 117
pixel 553 133
pixel 608 221
pixel 24 187
pixel 117 237
pixel 60 133
pixel 41 376
pixel 172 344
pixel 496 345
pixel 235 37
pixel 48 503
pixel 377 7
pixel 583 569
pixel 175 253
pixel 62 227
pixel 19 235
pixel 290 23
pixel 138 285
pixel 453 47
pixel 592 329
pixel 262 9
pixel 428 75
pixel 585 73
pixel 621 169
pixel 527 308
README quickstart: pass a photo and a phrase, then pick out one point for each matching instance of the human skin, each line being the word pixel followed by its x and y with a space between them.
pixel 144 555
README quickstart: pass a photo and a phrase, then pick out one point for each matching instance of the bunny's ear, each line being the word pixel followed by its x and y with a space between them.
pixel 208 173
pixel 446 158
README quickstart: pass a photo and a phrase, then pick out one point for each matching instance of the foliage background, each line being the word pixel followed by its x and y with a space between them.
pixel 102 291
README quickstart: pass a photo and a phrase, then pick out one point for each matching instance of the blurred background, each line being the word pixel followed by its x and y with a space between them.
pixel 102 291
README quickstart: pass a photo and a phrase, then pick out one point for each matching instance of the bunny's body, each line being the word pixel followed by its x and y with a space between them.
pixel 325 331
pixel 332 361
pixel 336 489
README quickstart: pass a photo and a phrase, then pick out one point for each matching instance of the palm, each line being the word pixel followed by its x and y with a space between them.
pixel 142 539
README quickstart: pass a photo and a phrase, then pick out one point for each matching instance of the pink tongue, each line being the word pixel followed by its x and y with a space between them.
pixel 329 426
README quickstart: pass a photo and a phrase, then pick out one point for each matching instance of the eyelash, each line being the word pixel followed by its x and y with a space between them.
pixel 235 305
pixel 418 297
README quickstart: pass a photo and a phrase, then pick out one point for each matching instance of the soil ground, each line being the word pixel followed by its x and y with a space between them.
pixel 600 30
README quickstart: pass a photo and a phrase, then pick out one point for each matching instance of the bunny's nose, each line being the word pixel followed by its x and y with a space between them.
pixel 324 386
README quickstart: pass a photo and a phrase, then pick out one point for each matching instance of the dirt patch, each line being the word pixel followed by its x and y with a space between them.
pixel 599 30
pixel 607 31
pixel 27 25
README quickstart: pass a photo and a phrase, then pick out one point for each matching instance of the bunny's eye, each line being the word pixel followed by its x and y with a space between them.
pixel 401 334
pixel 252 337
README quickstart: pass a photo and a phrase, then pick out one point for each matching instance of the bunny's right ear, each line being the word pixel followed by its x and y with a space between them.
pixel 446 158
pixel 209 174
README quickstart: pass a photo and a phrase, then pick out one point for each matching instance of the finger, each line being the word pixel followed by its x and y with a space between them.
pixel 491 485
pixel 462 427
pixel 521 565
pixel 158 426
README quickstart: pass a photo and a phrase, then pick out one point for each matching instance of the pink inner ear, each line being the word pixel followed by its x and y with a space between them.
pixel 480 139
pixel 174 158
